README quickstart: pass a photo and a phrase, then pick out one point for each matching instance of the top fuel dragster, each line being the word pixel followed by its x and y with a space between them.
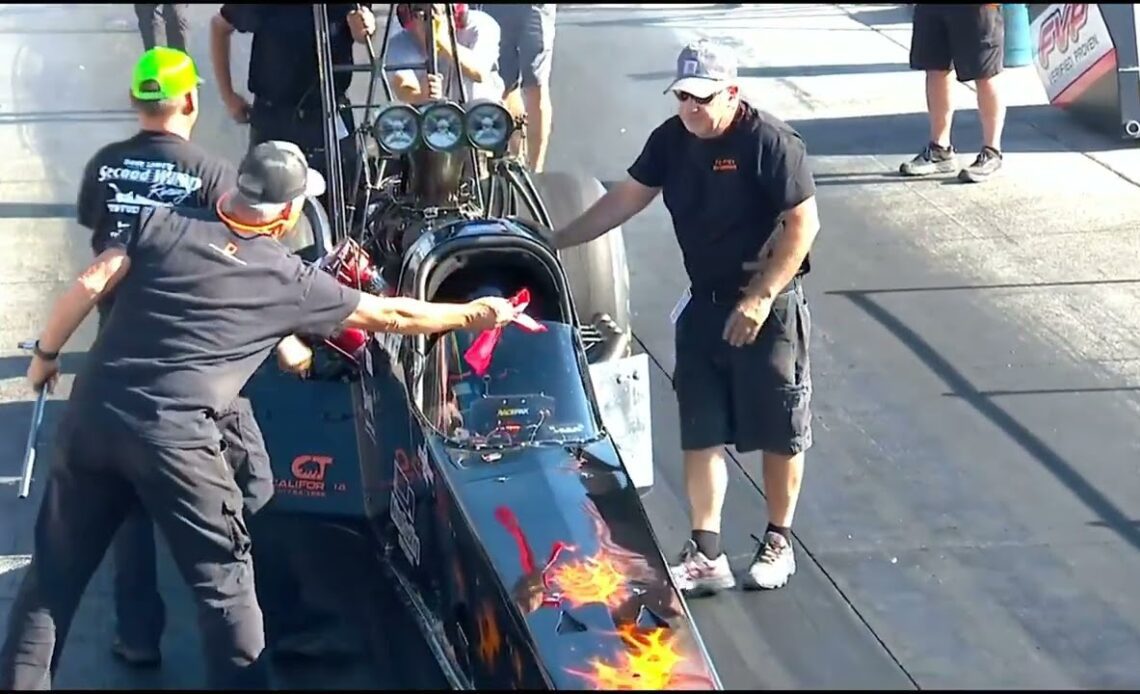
pixel 497 476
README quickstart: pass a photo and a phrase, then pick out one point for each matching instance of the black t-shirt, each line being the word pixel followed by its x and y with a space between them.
pixel 149 169
pixel 283 58
pixel 198 311
pixel 727 195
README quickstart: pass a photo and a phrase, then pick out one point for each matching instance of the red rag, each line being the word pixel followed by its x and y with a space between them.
pixel 478 355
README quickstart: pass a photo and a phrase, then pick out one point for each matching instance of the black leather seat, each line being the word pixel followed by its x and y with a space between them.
pixel 304 238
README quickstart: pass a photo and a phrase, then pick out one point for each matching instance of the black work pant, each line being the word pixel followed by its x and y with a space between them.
pixel 172 15
pixel 98 475
pixel 140 613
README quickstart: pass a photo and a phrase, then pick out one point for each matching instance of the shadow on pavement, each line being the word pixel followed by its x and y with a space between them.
pixel 15 422
pixel 102 115
pixel 1065 471
pixel 17 366
pixel 904 134
pixel 37 210
pixel 785 71
pixel 882 16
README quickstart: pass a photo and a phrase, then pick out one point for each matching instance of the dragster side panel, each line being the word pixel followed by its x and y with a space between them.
pixel 567 538
pixel 310 432
pixel 490 641
pixel 621 390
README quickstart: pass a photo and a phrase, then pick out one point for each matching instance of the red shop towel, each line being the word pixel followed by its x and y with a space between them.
pixel 478 355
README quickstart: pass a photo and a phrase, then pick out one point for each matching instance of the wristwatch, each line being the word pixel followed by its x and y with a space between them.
pixel 46 356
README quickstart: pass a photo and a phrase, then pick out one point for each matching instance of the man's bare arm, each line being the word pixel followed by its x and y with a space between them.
pixel 408 89
pixel 220 33
pixel 405 316
pixel 781 259
pixel 381 314
pixel 70 309
pixel 616 207
pixel 470 63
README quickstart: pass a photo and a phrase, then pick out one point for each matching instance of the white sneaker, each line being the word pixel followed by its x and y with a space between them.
pixel 697 575
pixel 773 565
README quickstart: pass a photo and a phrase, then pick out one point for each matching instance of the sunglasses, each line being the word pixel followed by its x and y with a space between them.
pixel 702 100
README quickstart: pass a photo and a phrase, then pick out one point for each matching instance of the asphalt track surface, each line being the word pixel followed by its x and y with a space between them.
pixel 950 534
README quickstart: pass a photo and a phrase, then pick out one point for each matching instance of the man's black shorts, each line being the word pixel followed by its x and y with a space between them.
pixel 968 38
pixel 756 397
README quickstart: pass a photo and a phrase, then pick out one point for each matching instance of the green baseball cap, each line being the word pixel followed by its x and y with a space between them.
pixel 164 73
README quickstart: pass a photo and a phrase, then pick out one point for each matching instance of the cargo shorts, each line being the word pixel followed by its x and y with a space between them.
pixel 755 397
pixel 968 38
pixel 526 43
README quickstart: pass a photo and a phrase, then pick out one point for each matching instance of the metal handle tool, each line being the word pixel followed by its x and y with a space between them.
pixel 33 436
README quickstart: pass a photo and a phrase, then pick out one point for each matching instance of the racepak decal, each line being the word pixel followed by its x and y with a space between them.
pixel 478 355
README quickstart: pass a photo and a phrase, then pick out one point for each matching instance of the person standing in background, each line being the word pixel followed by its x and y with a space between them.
pixel 526 55
pixel 160 167
pixel 738 186
pixel 174 17
pixel 968 41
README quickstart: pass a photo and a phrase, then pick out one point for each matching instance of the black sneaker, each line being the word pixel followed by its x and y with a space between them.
pixel 136 657
pixel 931 160
pixel 319 642
pixel 986 164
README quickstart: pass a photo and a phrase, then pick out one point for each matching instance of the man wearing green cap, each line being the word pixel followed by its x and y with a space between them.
pixel 159 167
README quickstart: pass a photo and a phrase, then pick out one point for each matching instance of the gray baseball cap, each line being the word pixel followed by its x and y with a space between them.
pixel 276 172
pixel 703 69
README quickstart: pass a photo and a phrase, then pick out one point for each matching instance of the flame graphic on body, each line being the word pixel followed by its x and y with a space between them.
pixel 657 657
pixel 517 664
pixel 647 662
pixel 593 579
pixel 490 640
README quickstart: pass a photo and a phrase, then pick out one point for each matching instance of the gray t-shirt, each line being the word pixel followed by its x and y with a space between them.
pixel 480 35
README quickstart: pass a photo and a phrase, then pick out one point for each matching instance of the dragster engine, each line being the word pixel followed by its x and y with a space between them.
pixel 351 265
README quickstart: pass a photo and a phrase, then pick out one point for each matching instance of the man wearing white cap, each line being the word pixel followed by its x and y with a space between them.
pixel 737 184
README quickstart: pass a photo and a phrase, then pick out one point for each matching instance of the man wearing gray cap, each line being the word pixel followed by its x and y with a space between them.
pixel 202 298
pixel 737 185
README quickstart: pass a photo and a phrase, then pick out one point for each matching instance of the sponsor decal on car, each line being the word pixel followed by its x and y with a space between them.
pixel 308 477
pixel 402 509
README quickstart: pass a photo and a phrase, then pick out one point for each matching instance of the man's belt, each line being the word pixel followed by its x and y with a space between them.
pixel 301 111
pixel 729 296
